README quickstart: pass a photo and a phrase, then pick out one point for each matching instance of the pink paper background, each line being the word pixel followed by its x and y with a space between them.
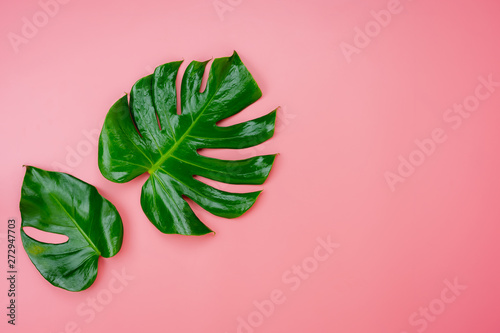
pixel 343 124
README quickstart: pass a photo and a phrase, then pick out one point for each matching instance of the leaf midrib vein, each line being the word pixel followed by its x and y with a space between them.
pixel 169 153
pixel 76 225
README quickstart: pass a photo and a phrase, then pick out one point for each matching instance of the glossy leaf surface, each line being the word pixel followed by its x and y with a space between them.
pixel 147 135
pixel 58 203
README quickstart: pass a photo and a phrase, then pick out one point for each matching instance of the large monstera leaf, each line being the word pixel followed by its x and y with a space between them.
pixel 148 135
pixel 62 204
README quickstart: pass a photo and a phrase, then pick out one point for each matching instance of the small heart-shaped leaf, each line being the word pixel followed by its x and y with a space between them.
pixel 58 203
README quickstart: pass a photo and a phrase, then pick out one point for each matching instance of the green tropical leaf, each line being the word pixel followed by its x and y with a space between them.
pixel 62 204
pixel 148 135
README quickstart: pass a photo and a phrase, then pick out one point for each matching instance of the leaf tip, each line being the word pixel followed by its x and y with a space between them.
pixel 235 55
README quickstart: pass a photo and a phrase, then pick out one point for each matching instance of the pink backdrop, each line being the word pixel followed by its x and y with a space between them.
pixel 381 214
